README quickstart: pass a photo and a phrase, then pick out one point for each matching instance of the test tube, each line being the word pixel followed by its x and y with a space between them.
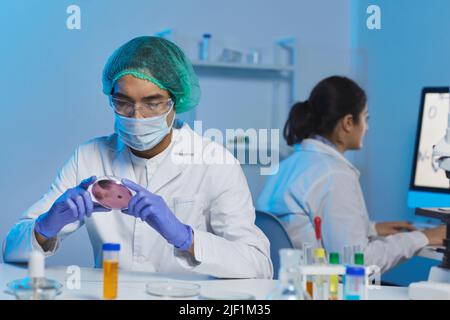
pixel 319 289
pixel 308 260
pixel 347 259
pixel 110 270
pixel 348 255
pixel 333 293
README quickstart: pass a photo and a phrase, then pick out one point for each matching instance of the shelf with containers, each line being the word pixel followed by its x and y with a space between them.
pixel 284 69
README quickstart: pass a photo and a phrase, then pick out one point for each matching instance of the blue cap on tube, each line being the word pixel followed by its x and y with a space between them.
pixel 111 246
pixel 355 271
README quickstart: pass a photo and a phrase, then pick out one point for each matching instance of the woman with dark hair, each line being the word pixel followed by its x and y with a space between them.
pixel 317 180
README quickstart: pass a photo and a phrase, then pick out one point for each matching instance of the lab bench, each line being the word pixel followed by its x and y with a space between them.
pixel 132 285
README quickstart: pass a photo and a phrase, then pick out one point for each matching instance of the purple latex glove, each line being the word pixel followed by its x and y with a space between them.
pixel 73 205
pixel 152 209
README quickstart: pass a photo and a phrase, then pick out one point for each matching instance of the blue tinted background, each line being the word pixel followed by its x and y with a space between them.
pixel 52 100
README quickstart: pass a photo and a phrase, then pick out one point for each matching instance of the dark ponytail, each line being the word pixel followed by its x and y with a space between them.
pixel 300 123
pixel 331 99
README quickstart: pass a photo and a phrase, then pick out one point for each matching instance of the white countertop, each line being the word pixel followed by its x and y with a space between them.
pixel 132 284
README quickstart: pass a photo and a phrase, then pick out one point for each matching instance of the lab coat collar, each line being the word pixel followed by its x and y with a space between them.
pixel 167 170
pixel 318 146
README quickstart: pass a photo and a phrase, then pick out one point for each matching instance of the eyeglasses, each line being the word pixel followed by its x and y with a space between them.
pixel 127 108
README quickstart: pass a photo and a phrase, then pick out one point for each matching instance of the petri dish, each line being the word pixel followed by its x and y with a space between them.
pixel 173 289
pixel 110 193
pixel 225 295
pixel 43 289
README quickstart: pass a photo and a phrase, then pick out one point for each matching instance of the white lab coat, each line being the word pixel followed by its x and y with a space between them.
pixel 317 180
pixel 212 197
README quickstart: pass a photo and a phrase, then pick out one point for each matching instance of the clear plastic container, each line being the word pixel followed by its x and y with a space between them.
pixel 354 287
pixel 34 289
pixel 172 289
pixel 110 270
pixel 289 285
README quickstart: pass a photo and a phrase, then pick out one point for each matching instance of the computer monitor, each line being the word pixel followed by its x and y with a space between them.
pixel 429 187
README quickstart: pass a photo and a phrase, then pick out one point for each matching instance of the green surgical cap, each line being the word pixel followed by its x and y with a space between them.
pixel 159 61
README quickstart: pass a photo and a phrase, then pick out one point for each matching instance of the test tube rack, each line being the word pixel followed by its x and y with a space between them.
pixel 338 270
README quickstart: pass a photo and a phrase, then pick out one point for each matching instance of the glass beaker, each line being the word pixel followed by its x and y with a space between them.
pixel 289 284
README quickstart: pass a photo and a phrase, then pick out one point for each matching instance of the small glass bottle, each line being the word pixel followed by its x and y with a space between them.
pixel 354 287
pixel 204 47
pixel 289 285
pixel 110 270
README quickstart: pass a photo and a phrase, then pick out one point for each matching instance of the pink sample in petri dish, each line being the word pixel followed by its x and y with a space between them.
pixel 111 193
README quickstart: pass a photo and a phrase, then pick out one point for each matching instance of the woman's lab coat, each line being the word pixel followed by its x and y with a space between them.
pixel 317 180
pixel 211 196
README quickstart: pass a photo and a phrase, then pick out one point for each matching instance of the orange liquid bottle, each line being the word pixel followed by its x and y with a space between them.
pixel 110 278
pixel 110 270
pixel 309 288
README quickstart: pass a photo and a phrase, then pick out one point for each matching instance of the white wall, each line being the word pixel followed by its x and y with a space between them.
pixel 411 51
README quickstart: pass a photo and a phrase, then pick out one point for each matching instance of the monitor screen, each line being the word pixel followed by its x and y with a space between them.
pixel 433 122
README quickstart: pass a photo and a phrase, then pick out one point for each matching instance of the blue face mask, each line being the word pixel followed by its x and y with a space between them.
pixel 142 134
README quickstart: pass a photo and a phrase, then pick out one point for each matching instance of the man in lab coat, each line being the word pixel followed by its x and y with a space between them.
pixel 191 212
